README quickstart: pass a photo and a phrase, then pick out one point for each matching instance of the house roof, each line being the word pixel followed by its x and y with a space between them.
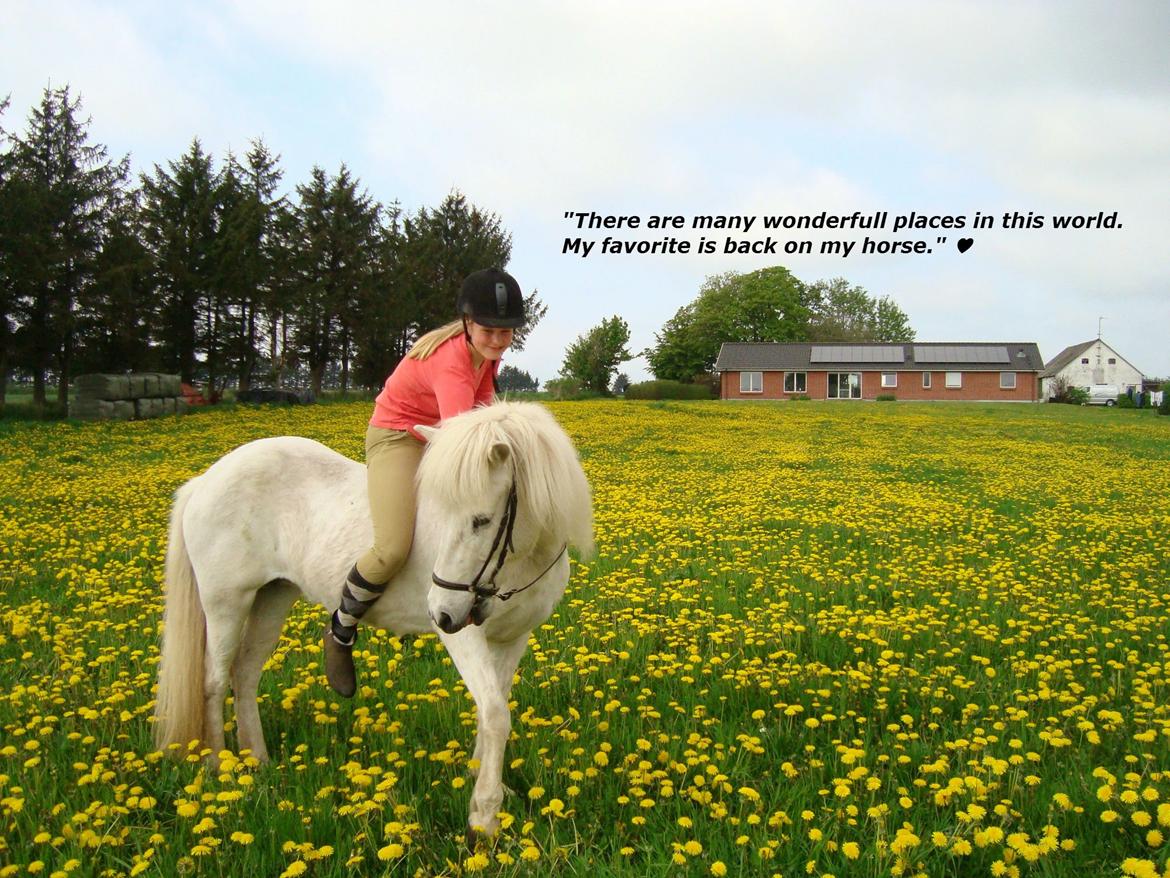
pixel 908 357
pixel 1065 357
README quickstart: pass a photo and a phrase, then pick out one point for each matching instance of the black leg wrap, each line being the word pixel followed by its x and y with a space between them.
pixel 360 581
pixel 346 635
pixel 352 606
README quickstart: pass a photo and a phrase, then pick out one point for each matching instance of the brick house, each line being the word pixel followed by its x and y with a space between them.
pixel 970 371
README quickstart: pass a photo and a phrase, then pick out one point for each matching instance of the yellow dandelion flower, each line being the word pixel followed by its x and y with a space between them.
pixel 476 863
pixel 391 852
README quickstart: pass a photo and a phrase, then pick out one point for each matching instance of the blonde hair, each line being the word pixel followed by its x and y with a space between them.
pixel 428 343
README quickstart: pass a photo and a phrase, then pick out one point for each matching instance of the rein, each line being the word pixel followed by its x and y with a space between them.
pixel 503 542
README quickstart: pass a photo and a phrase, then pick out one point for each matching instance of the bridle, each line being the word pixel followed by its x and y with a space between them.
pixel 503 542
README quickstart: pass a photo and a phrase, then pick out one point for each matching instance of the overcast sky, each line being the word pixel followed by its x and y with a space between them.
pixel 532 109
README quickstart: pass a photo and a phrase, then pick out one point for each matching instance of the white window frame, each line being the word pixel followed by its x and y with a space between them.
pixel 829 384
pixel 1003 376
pixel 799 382
pixel 889 379
pixel 758 382
pixel 954 381
pixel 926 381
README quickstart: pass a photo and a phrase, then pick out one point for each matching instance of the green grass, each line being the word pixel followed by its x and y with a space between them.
pixel 760 567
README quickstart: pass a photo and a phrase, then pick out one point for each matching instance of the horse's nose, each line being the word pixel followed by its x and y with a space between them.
pixel 446 623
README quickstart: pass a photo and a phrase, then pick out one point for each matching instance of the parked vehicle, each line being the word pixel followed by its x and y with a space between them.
pixel 1102 394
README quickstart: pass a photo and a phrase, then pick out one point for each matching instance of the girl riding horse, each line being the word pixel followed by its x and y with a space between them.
pixel 448 371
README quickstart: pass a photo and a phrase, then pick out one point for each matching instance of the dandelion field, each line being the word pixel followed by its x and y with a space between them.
pixel 816 639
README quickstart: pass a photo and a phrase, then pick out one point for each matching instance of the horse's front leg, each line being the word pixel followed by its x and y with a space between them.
pixel 487 667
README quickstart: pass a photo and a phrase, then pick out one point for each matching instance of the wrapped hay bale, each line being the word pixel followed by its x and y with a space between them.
pixel 100 386
pixel 123 410
pixel 151 387
pixel 147 408
pixel 169 385
pixel 91 409
pixel 168 403
pixel 181 405
pixel 137 386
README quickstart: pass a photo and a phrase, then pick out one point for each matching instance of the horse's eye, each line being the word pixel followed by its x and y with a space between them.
pixel 479 521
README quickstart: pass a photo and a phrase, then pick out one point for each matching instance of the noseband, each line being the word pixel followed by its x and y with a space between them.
pixel 503 542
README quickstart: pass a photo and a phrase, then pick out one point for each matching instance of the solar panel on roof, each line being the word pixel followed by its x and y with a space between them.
pixel 857 354
pixel 977 354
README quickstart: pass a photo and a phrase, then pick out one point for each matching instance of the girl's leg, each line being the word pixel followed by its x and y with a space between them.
pixel 392 459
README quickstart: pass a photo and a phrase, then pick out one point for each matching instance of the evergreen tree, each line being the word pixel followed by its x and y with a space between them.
pixel 245 256
pixel 179 217
pixel 115 315
pixel 337 229
pixel 9 270
pixel 381 330
pixel 279 301
pixel 534 311
pixel 512 380
pixel 441 247
pixel 68 190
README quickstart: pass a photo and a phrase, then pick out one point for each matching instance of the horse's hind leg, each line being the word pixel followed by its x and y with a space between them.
pixel 227 612
pixel 259 640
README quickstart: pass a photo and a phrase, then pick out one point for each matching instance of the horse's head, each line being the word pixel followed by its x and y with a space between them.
pixel 475 539
pixel 498 481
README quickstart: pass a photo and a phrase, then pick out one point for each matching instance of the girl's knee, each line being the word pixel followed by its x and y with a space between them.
pixel 381 563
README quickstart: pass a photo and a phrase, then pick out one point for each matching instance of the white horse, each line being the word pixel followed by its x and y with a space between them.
pixel 501 494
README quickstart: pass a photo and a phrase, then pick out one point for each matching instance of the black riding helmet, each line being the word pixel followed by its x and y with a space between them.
pixel 491 297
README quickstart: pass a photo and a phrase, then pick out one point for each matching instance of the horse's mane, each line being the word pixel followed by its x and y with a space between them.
pixel 550 483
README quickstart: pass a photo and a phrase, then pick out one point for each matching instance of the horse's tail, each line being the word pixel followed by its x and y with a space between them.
pixel 178 712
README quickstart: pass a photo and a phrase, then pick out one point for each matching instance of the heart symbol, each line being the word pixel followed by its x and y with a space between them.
pixel 965 244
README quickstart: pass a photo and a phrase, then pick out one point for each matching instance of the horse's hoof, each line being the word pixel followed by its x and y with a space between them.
pixel 481 836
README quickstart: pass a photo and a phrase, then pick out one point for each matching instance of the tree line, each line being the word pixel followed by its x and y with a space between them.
pixel 769 305
pixel 208 270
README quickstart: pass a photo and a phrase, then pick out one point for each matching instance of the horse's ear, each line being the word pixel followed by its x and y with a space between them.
pixel 499 453
pixel 426 432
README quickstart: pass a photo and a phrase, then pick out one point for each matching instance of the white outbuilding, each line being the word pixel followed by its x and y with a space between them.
pixel 1088 363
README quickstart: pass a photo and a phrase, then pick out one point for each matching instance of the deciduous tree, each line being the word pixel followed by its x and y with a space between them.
pixel 846 312
pixel 594 357
pixel 765 305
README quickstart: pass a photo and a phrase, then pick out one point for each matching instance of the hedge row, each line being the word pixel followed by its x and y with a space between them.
pixel 667 390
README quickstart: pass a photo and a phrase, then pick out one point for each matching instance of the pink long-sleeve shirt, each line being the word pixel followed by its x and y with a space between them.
pixel 431 390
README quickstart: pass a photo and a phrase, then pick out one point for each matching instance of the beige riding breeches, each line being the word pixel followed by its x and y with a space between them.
pixel 392 458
